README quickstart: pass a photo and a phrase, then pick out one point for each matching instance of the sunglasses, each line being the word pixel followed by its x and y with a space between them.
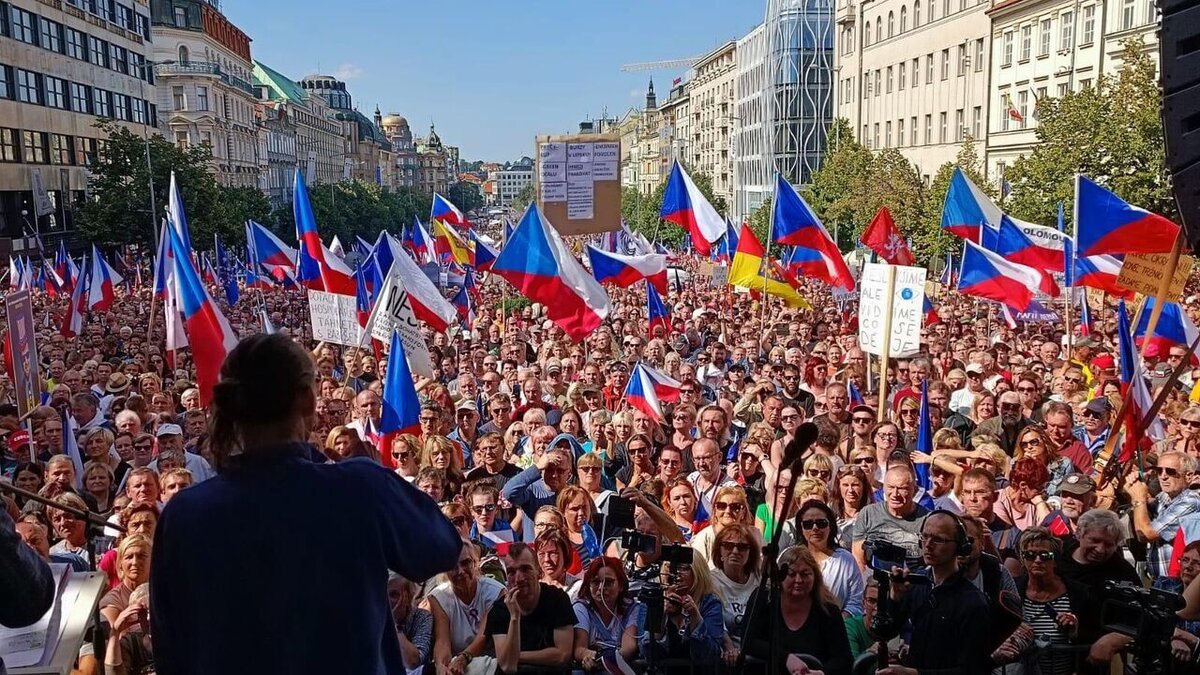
pixel 459 521
pixel 790 417
pixel 738 546
pixel 1044 556
pixel 861 420
pixel 1167 471
pixel 818 473
pixel 589 469
pixel 815 524
pixel 401 456
pixel 483 508
pixel 865 460
pixel 1074 380
pixel 1093 414
pixel 1010 406
pixel 1191 424
pixel 728 506
pixel 1031 442
pixel 1029 390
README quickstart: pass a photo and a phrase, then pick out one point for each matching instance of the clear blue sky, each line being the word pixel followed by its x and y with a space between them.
pixel 491 73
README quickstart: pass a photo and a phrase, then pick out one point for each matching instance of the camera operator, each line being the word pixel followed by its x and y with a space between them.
pixel 694 627
pixel 951 625
pixel 643 563
pixel 897 519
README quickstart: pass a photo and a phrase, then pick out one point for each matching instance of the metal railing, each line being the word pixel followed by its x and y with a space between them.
pixel 205 68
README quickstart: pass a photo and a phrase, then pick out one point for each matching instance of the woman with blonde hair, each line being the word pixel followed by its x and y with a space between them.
pixel 133 569
pixel 99 482
pixel 338 443
pixel 441 453
pixel 407 453
pixel 694 626
pixel 730 507
pixel 819 467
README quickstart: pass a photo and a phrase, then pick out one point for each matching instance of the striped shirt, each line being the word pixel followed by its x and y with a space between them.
pixel 1043 618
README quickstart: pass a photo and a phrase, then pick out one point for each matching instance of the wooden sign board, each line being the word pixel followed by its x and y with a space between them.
pixel 1143 272
pixel 578 178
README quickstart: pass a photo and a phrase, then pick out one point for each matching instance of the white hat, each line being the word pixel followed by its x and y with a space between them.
pixel 168 429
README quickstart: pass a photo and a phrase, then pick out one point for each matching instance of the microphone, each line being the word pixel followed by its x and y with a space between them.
pixel 793 453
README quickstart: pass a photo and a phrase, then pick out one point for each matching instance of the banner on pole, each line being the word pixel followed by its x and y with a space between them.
pixel 393 312
pixel 22 333
pixel 334 318
pixel 907 305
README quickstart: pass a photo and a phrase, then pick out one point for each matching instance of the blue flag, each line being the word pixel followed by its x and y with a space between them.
pixel 924 438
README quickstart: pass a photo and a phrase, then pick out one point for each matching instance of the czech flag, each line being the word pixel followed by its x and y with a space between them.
pixel 209 333
pixel 334 278
pixel 178 218
pixel 417 240
pixel 1105 223
pixel 1086 323
pixel 1013 245
pixel 268 250
pixel 797 225
pixel 968 209
pixel 856 397
pixel 72 322
pixel 444 210
pixel 64 267
pixel 948 277
pixel 728 244
pixel 658 314
pixel 483 255
pixel 931 315
pixel 684 205
pixel 746 271
pixel 462 302
pixel 362 299
pixel 102 279
pixel 541 267
pixel 448 245
pixel 883 237
pixel 642 392
pixel 401 412
pixel 624 271
pixel 209 273
pixel 1133 385
pixel 988 275
pixel 1100 272
pixel 429 305
pixel 1174 329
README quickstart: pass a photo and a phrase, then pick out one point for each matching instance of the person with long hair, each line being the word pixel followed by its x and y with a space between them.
pixel 693 625
pixel 577 507
pixel 253 516
pixel 839 569
pixel 554 553
pixel 605 613
pixel 729 507
pixel 1033 441
pixel 851 494
pixel 737 557
pixel 133 570
pixel 28 476
pixel 810 619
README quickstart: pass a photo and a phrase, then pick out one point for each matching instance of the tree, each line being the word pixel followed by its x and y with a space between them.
pixel 524 196
pixel 118 211
pixel 466 196
pixel 356 208
pixel 1111 133
pixel 641 212
pixel 929 239
pixel 835 190
pixel 236 206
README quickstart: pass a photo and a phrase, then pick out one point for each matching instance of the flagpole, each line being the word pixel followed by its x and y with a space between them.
pixel 886 347
pixel 766 263
pixel 1164 287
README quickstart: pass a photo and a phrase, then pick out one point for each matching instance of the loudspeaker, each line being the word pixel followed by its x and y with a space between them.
pixel 1179 42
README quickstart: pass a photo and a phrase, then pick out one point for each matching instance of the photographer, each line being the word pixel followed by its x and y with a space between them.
pixel 694 628
pixel 896 519
pixel 951 625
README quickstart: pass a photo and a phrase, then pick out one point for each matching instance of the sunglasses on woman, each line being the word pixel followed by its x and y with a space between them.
pixel 1044 556
pixel 815 524
pixel 738 546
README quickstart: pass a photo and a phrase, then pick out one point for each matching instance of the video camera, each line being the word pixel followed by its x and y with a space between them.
pixel 886 556
pixel 651 593
pixel 1148 615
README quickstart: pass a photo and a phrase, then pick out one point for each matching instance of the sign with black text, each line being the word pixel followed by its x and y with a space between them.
pixel 22 335
pixel 334 318
pixel 906 306
pixel 393 313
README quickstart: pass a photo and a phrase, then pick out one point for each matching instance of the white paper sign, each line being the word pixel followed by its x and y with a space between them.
pixel 394 313
pixel 554 171
pixel 334 318
pixel 579 153
pixel 552 152
pixel 908 301
pixel 554 192
pixel 606 157
pixel 581 200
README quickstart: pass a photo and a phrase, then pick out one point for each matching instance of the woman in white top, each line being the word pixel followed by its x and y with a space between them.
pixel 460 607
pixel 840 571
pixel 730 507
pixel 736 559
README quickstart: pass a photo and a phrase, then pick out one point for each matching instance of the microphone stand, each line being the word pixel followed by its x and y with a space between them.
pixel 770 581
pixel 98 639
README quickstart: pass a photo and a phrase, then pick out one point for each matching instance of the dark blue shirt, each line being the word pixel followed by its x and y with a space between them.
pixel 281 566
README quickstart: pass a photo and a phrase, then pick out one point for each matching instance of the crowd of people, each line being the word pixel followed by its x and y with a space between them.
pixel 589 531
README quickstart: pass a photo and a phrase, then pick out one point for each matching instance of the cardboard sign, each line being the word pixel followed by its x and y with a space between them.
pixel 720 276
pixel 334 318
pixel 23 336
pixel 1143 272
pixel 393 313
pixel 906 306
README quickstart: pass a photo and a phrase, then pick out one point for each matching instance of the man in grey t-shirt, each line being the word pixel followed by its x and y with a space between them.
pixel 896 520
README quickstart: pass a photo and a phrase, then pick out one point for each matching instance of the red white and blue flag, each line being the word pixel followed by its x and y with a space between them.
pixel 986 274
pixel 624 271
pixel 269 250
pixel 1174 329
pixel 968 209
pixel 657 313
pixel 72 323
pixel 65 267
pixel 483 254
pixel 796 224
pixel 541 267
pixel 648 389
pixel 429 305
pixel 1011 243
pixel 401 412
pixel 1133 386
pixel 445 210
pixel 102 279
pixel 1107 224
pixel 687 207
pixel 418 240
pixel 334 276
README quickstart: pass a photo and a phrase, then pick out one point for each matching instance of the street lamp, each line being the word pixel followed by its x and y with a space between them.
pixel 146 140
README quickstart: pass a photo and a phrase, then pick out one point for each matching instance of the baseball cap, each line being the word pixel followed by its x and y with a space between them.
pixel 18 439
pixel 168 429
pixel 1097 405
pixel 553 365
pixel 1077 484
pixel 467 404
pixel 974 368
pixel 1104 362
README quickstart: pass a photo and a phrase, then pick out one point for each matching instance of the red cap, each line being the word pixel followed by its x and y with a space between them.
pixel 18 439
pixel 1104 362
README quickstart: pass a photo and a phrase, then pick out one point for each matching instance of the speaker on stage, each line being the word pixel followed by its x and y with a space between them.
pixel 1180 56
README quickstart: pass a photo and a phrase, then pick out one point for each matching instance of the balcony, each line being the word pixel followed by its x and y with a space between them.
pixel 846 13
pixel 204 68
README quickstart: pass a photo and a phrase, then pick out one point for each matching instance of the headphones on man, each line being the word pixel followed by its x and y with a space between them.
pixel 962 541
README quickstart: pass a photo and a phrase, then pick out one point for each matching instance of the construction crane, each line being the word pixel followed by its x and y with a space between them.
pixel 670 64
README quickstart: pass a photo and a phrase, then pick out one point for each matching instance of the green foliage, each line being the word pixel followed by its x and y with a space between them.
pixel 1111 133
pixel 357 208
pixel 929 240
pixel 641 211
pixel 524 196
pixel 835 190
pixel 466 196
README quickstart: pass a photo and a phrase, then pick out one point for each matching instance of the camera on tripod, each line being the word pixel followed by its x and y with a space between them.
pixel 652 593
pixel 886 556
pixel 1148 615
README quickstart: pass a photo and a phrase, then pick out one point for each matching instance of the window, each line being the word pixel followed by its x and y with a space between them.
pixel 181 139
pixel 120 59
pixel 81 98
pixel 887 138
pixel 120 106
pixel 903 69
pixel 878 29
pixel 51 35
pixel 1089 25
pixel 1046 31
pixel 181 17
pixel 976 121
pixel 929 122
pixel 1026 41
pixel 945 64
pixel 890 79
pixel 97 51
pixel 912 125
pixel 178 100
pixel 899 132
pixel 916 71
pixel 22 26
pixel 28 90
pixel 1085 83
pixel 932 11
pixel 76 46
pixel 56 93
pixel 876 144
pixel 941 127
pixel 103 8
pixel 139 111
pixel 945 7
pixel 903 19
pixel 9 150
pixel 917 14
pixel 1127 10
pixel 877 87
pixel 142 26
pixel 33 144
pixel 201 98
pixel 125 17
pixel 1005 110
pixel 1062 89
pixel 184 55
pixel 891 24
pixel 1066 34
pixel 6 86
pixel 1023 107
pixel 960 127
pixel 963 62
pixel 1006 59
pixel 979 55
pixel 101 107
pixel 929 69
pixel 60 149
pixel 85 151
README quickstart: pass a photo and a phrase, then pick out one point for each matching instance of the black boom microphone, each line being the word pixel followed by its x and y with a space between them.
pixel 794 452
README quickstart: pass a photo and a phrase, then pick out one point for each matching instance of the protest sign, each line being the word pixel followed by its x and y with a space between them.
pixel 904 307
pixel 1143 273
pixel 334 318
pixel 22 333
pixel 394 313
